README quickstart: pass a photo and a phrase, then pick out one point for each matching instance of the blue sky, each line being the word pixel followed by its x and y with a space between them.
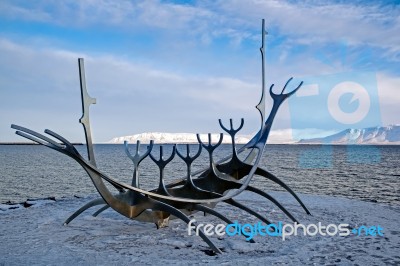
pixel 178 66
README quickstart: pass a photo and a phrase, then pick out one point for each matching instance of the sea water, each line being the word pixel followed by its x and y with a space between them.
pixel 370 173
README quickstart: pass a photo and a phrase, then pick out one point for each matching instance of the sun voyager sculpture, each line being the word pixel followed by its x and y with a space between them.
pixel 201 191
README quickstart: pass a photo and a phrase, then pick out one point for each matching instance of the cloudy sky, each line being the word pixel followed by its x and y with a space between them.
pixel 178 66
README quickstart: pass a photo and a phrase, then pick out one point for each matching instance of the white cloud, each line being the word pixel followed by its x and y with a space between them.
pixel 132 98
pixel 330 21
pixel 305 22
pixel 389 98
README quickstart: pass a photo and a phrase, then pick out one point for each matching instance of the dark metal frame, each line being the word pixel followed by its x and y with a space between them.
pixel 199 191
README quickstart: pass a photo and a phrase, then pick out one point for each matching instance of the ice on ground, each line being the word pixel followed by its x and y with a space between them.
pixel 27 204
pixel 6 207
pixel 36 236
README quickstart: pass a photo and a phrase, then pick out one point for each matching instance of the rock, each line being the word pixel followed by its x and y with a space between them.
pixel 27 204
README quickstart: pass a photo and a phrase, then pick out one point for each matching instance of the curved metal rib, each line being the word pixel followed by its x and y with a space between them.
pixel 233 166
pixel 189 189
pixel 161 163
pixel 217 182
pixel 137 159
pixel 177 213
pixel 238 169
pixel 216 214
pixel 273 200
pixel 243 207
pixel 188 161
pixel 102 209
pixel 88 205
pixel 275 179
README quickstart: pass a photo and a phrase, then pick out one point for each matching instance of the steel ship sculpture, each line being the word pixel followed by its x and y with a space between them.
pixel 201 191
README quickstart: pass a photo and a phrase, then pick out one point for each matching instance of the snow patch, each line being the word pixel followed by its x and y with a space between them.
pixel 178 138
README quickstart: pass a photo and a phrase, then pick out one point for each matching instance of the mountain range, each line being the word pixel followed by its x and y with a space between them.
pixel 372 135
pixel 178 138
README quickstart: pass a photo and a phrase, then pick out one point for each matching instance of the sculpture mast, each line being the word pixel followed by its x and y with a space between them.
pixel 261 105
pixel 84 120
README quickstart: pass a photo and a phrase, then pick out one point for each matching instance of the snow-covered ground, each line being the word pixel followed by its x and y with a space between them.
pixel 36 236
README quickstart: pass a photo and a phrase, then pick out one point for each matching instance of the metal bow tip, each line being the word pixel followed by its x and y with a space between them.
pixel 198 191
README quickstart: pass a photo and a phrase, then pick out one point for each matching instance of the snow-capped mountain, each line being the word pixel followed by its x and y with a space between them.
pixel 373 135
pixel 165 138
